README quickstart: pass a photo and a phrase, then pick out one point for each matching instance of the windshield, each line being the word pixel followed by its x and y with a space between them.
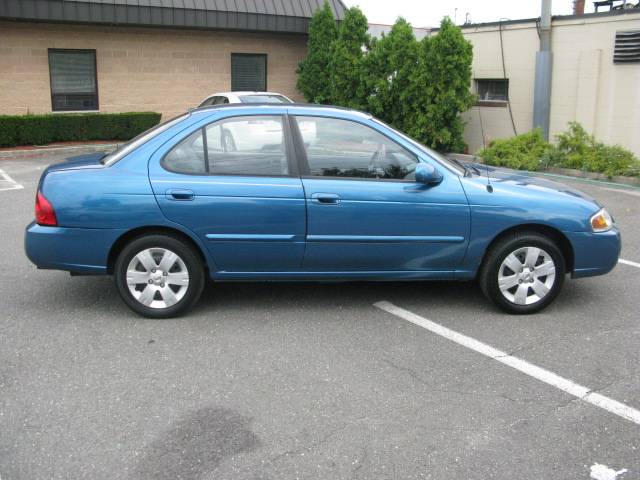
pixel 264 99
pixel 144 137
pixel 451 165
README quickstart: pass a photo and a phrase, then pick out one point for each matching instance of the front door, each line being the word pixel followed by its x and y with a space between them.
pixel 231 182
pixel 365 212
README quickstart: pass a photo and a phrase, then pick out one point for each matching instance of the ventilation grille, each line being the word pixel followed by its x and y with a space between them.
pixel 627 48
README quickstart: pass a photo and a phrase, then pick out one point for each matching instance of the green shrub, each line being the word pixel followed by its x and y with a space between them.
pixel 43 129
pixel 580 150
pixel 528 151
pixel 576 149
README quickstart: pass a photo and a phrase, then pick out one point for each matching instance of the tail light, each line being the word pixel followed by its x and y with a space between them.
pixel 45 215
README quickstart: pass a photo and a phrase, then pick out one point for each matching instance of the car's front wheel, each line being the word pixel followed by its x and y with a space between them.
pixel 523 272
pixel 159 276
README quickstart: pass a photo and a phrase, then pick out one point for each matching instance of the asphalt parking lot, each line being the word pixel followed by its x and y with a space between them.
pixel 284 381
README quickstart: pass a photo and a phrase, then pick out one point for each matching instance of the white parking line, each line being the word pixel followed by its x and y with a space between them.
pixel 583 393
pixel 629 262
pixel 13 185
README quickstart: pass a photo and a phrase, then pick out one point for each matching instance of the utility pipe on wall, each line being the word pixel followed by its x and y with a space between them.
pixel 544 63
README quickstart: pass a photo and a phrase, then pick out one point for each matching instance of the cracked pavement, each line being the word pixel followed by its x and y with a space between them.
pixel 309 381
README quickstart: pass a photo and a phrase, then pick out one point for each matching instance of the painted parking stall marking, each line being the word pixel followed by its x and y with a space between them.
pixel 8 183
pixel 629 262
pixel 583 393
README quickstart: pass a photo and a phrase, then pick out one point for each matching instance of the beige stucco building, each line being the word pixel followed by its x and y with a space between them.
pixel 141 55
pixel 586 86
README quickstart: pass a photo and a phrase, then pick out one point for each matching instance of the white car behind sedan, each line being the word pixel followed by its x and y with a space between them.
pixel 244 97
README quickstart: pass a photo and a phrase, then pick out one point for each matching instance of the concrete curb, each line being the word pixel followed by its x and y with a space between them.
pixel 36 151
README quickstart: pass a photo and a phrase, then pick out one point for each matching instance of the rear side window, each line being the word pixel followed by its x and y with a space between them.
pixel 251 145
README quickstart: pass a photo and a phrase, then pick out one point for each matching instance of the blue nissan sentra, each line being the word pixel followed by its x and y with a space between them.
pixel 303 192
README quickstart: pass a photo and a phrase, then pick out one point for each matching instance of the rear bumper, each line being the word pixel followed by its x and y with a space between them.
pixel 594 253
pixel 77 250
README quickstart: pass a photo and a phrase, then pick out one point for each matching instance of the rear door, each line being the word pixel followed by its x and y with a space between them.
pixel 234 184
pixel 366 212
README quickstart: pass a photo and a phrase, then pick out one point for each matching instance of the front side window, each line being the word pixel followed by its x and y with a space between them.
pixel 251 145
pixel 74 85
pixel 248 72
pixel 342 148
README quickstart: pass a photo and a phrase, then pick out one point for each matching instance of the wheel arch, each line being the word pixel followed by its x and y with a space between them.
pixel 128 236
pixel 553 233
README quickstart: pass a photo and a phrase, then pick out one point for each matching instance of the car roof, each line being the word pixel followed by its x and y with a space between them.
pixel 306 107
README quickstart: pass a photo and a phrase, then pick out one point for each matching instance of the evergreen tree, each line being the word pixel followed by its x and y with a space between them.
pixel 389 70
pixel 440 89
pixel 313 71
pixel 346 64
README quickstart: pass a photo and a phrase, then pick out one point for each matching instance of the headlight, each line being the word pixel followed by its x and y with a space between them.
pixel 601 221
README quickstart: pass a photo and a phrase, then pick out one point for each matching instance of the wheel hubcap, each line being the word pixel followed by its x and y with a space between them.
pixel 157 278
pixel 526 275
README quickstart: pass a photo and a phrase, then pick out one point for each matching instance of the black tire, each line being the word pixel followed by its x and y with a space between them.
pixel 488 275
pixel 191 260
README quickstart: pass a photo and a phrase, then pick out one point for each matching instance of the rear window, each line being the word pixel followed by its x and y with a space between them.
pixel 141 139
pixel 263 99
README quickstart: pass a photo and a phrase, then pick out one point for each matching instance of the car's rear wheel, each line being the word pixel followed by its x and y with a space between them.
pixel 159 276
pixel 523 272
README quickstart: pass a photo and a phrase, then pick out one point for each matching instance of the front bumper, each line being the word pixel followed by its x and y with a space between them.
pixel 594 253
pixel 78 250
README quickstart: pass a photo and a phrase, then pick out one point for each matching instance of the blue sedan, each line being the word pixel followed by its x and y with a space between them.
pixel 302 192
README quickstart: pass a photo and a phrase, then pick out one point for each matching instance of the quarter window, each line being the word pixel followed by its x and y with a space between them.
pixel 187 156
pixel 74 85
pixel 341 148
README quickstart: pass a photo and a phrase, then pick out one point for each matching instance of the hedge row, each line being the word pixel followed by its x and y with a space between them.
pixel 44 129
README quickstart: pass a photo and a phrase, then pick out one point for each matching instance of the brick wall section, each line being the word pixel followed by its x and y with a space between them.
pixel 139 69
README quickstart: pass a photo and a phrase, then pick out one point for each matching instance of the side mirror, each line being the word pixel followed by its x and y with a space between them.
pixel 427 174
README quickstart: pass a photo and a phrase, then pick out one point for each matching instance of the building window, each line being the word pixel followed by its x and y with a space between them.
pixel 248 72
pixel 492 91
pixel 74 84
